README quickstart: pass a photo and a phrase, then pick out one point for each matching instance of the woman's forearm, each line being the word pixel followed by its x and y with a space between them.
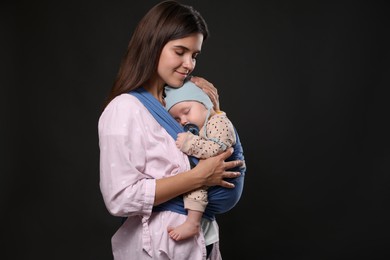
pixel 171 187
pixel 210 172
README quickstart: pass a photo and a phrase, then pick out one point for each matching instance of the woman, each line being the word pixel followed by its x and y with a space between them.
pixel 142 173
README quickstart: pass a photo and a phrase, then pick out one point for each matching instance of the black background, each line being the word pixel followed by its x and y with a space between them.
pixel 305 82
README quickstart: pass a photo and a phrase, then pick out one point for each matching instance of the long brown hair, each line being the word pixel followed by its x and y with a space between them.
pixel 166 21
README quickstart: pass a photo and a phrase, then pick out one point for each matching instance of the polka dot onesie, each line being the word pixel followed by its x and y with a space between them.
pixel 220 136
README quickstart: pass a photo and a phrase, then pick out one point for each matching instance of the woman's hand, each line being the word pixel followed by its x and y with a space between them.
pixel 214 169
pixel 209 89
pixel 209 172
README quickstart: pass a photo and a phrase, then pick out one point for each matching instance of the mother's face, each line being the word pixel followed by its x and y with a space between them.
pixel 178 59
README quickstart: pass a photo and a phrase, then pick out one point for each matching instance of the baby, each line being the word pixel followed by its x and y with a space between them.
pixel 189 105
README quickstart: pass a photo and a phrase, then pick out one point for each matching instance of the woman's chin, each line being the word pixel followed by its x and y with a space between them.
pixel 175 84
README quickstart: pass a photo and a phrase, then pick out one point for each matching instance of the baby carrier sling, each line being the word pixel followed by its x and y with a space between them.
pixel 220 199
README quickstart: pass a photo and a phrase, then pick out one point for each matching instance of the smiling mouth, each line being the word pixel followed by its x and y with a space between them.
pixel 185 74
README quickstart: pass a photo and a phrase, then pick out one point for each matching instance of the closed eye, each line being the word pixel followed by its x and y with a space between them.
pixel 186 111
pixel 181 50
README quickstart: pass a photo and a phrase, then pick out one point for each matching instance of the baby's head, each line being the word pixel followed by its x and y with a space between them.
pixel 188 104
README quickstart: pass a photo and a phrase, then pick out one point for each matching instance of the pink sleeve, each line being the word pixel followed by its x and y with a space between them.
pixel 126 190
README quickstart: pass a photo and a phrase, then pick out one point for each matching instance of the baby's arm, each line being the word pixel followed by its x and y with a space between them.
pixel 197 146
pixel 220 136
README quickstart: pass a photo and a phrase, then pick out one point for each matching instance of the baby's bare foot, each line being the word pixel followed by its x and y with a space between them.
pixel 184 231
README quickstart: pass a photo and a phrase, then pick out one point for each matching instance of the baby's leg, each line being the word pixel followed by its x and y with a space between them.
pixel 195 202
pixel 189 228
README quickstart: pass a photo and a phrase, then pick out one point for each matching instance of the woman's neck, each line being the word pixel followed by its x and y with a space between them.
pixel 157 90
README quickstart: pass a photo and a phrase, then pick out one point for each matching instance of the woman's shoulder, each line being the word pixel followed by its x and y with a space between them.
pixel 124 101
pixel 123 108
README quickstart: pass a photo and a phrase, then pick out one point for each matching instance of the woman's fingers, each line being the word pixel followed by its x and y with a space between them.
pixel 226 154
pixel 217 171
pixel 229 165
pixel 227 184
pixel 233 164
pixel 209 89
pixel 204 84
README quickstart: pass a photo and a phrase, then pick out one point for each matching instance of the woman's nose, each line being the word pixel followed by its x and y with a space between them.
pixel 189 63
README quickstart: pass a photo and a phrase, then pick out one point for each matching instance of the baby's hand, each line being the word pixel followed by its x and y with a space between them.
pixel 181 138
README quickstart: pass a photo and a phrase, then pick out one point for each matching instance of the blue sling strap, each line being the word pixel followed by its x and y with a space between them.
pixel 220 199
